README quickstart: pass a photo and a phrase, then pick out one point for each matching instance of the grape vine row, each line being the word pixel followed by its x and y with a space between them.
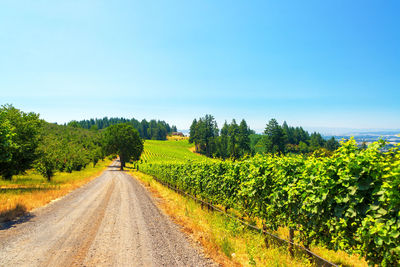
pixel 348 201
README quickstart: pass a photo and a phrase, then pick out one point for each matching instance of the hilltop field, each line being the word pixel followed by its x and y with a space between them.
pixel 174 149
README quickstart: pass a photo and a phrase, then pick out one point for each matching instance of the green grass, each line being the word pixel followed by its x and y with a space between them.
pixel 169 150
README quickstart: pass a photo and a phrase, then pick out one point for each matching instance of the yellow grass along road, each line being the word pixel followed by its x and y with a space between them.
pixel 111 221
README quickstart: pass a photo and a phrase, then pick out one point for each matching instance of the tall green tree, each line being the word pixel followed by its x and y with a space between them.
pixel 192 131
pixel 21 131
pixel 224 141
pixel 209 130
pixel 275 137
pixel 46 162
pixel 244 138
pixel 203 134
pixel 6 138
pixel 157 130
pixel 144 126
pixel 289 132
pixel 332 144
pixel 123 140
pixel 316 141
pixel 234 140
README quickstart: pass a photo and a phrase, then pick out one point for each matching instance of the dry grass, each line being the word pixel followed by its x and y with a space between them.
pixel 193 150
pixel 177 137
pixel 340 257
pixel 27 192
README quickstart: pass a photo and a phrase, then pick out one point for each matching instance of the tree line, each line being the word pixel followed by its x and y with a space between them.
pixel 153 129
pixel 64 148
pixel 237 140
pixel 232 141
pixel 287 139
pixel 28 142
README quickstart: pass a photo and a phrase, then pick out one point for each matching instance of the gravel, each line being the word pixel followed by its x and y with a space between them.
pixel 111 221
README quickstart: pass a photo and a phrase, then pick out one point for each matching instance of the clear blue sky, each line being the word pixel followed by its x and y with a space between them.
pixel 312 63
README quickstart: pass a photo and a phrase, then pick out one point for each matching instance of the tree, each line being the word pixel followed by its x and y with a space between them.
pixel 147 130
pixel 208 131
pixel 71 148
pixel 244 138
pixel 6 138
pixel 303 148
pixel 144 125
pixel 203 134
pixel 254 143
pixel 74 124
pixel 96 156
pixel 192 133
pixel 233 139
pixel 275 137
pixel 289 132
pixel 21 140
pixel 223 142
pixel 123 140
pixel 332 144
pixel 46 163
pixel 316 141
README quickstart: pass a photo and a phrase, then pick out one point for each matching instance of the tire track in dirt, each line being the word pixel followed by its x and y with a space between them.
pixel 79 247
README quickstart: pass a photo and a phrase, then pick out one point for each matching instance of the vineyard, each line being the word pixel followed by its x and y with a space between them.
pixel 169 151
pixel 348 201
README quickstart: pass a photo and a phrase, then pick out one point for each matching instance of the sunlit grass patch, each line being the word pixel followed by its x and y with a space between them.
pixel 177 137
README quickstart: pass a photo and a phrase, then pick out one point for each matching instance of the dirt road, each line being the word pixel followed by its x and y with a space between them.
pixel 112 221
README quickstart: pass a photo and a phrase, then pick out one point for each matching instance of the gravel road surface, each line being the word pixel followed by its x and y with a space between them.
pixel 111 221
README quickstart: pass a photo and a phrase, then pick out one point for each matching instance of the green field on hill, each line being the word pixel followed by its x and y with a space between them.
pixel 170 151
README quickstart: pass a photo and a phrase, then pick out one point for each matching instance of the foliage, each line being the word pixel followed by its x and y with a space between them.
pixel 244 138
pixel 288 139
pixel 349 200
pixel 19 140
pixel 203 133
pixel 155 130
pixel 26 142
pixel 123 140
pixel 233 141
pixel 275 138
pixel 66 148
pixel 6 138
pixel 46 164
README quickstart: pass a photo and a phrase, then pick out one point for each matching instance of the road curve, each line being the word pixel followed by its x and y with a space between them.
pixel 111 221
